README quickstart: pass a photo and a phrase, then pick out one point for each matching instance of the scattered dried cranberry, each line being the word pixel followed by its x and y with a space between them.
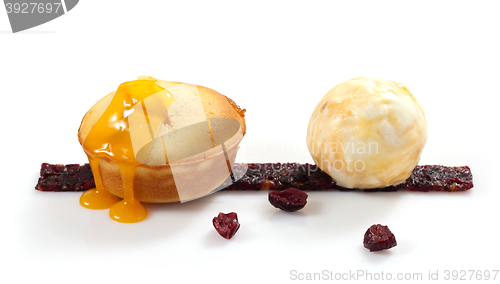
pixel 288 200
pixel 226 224
pixel 379 237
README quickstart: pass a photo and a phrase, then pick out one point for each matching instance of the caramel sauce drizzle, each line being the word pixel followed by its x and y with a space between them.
pixel 110 137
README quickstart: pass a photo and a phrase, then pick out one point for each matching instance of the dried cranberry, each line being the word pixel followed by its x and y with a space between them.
pixel 379 237
pixel 226 224
pixel 288 200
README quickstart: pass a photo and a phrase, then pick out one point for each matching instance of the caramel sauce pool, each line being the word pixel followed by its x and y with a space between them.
pixel 110 137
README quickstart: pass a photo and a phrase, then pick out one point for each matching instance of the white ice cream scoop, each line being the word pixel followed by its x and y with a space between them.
pixel 367 133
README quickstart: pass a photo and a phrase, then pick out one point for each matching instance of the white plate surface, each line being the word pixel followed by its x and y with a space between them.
pixel 276 59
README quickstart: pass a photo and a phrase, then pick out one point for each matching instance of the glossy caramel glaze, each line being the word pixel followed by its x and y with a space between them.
pixel 110 137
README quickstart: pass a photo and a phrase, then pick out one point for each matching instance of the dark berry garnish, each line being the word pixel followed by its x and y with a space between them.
pixel 379 237
pixel 72 177
pixel 439 178
pixel 288 200
pixel 226 224
pixel 275 176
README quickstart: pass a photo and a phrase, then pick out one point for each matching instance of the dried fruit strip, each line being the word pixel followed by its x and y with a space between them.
pixel 274 176
pixel 278 176
pixel 439 178
pixel 72 177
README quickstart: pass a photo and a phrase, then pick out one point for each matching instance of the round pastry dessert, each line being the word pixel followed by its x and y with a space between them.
pixel 158 141
pixel 367 133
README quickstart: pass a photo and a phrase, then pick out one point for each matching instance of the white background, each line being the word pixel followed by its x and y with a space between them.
pixel 276 59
